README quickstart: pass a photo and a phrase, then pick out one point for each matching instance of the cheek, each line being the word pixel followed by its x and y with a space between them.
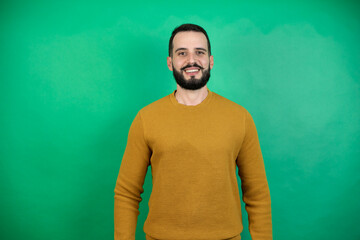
pixel 205 63
pixel 178 63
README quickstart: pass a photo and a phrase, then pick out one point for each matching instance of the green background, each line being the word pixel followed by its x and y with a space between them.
pixel 74 74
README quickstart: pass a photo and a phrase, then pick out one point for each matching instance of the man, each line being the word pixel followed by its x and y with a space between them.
pixel 193 139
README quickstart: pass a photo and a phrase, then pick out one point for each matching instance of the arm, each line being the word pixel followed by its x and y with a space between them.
pixel 129 184
pixel 256 194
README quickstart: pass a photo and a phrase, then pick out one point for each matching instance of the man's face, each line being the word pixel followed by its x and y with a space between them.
pixel 190 62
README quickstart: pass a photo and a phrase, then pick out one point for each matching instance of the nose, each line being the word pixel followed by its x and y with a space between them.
pixel 192 58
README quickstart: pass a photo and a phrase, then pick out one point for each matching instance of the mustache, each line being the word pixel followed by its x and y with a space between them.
pixel 192 65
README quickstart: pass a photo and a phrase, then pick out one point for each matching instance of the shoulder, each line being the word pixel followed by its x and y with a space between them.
pixel 156 107
pixel 229 105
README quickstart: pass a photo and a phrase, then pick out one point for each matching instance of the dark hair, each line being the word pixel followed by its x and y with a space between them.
pixel 187 28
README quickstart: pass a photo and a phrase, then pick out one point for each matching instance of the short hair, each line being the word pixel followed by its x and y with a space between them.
pixel 188 27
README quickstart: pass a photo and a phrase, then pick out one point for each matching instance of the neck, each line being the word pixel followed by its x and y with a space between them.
pixel 191 97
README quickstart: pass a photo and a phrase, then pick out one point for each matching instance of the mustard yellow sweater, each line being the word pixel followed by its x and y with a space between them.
pixel 193 152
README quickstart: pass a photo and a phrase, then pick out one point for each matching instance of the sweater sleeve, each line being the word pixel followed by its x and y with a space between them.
pixel 130 180
pixel 256 194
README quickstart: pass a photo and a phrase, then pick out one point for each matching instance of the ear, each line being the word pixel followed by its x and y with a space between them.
pixel 169 63
pixel 211 61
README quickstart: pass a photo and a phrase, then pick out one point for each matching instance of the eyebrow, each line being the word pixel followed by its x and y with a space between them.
pixel 203 49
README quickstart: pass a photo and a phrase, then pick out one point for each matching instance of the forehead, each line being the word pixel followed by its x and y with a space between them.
pixel 190 40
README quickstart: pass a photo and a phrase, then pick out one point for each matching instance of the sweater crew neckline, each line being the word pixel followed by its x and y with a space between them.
pixel 205 102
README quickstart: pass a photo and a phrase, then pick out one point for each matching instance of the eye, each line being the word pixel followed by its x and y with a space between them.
pixel 181 53
pixel 200 52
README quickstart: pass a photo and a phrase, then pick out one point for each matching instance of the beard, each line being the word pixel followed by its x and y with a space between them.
pixel 193 83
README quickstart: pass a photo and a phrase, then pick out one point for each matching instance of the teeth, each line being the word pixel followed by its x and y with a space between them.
pixel 193 70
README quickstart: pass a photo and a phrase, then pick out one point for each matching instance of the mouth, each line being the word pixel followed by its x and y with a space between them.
pixel 192 71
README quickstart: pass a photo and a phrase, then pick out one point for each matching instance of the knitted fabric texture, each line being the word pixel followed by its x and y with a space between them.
pixel 194 152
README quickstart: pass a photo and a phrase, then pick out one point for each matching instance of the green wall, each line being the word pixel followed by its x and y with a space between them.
pixel 73 76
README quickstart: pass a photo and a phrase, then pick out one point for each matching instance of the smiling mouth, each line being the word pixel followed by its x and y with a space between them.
pixel 192 70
